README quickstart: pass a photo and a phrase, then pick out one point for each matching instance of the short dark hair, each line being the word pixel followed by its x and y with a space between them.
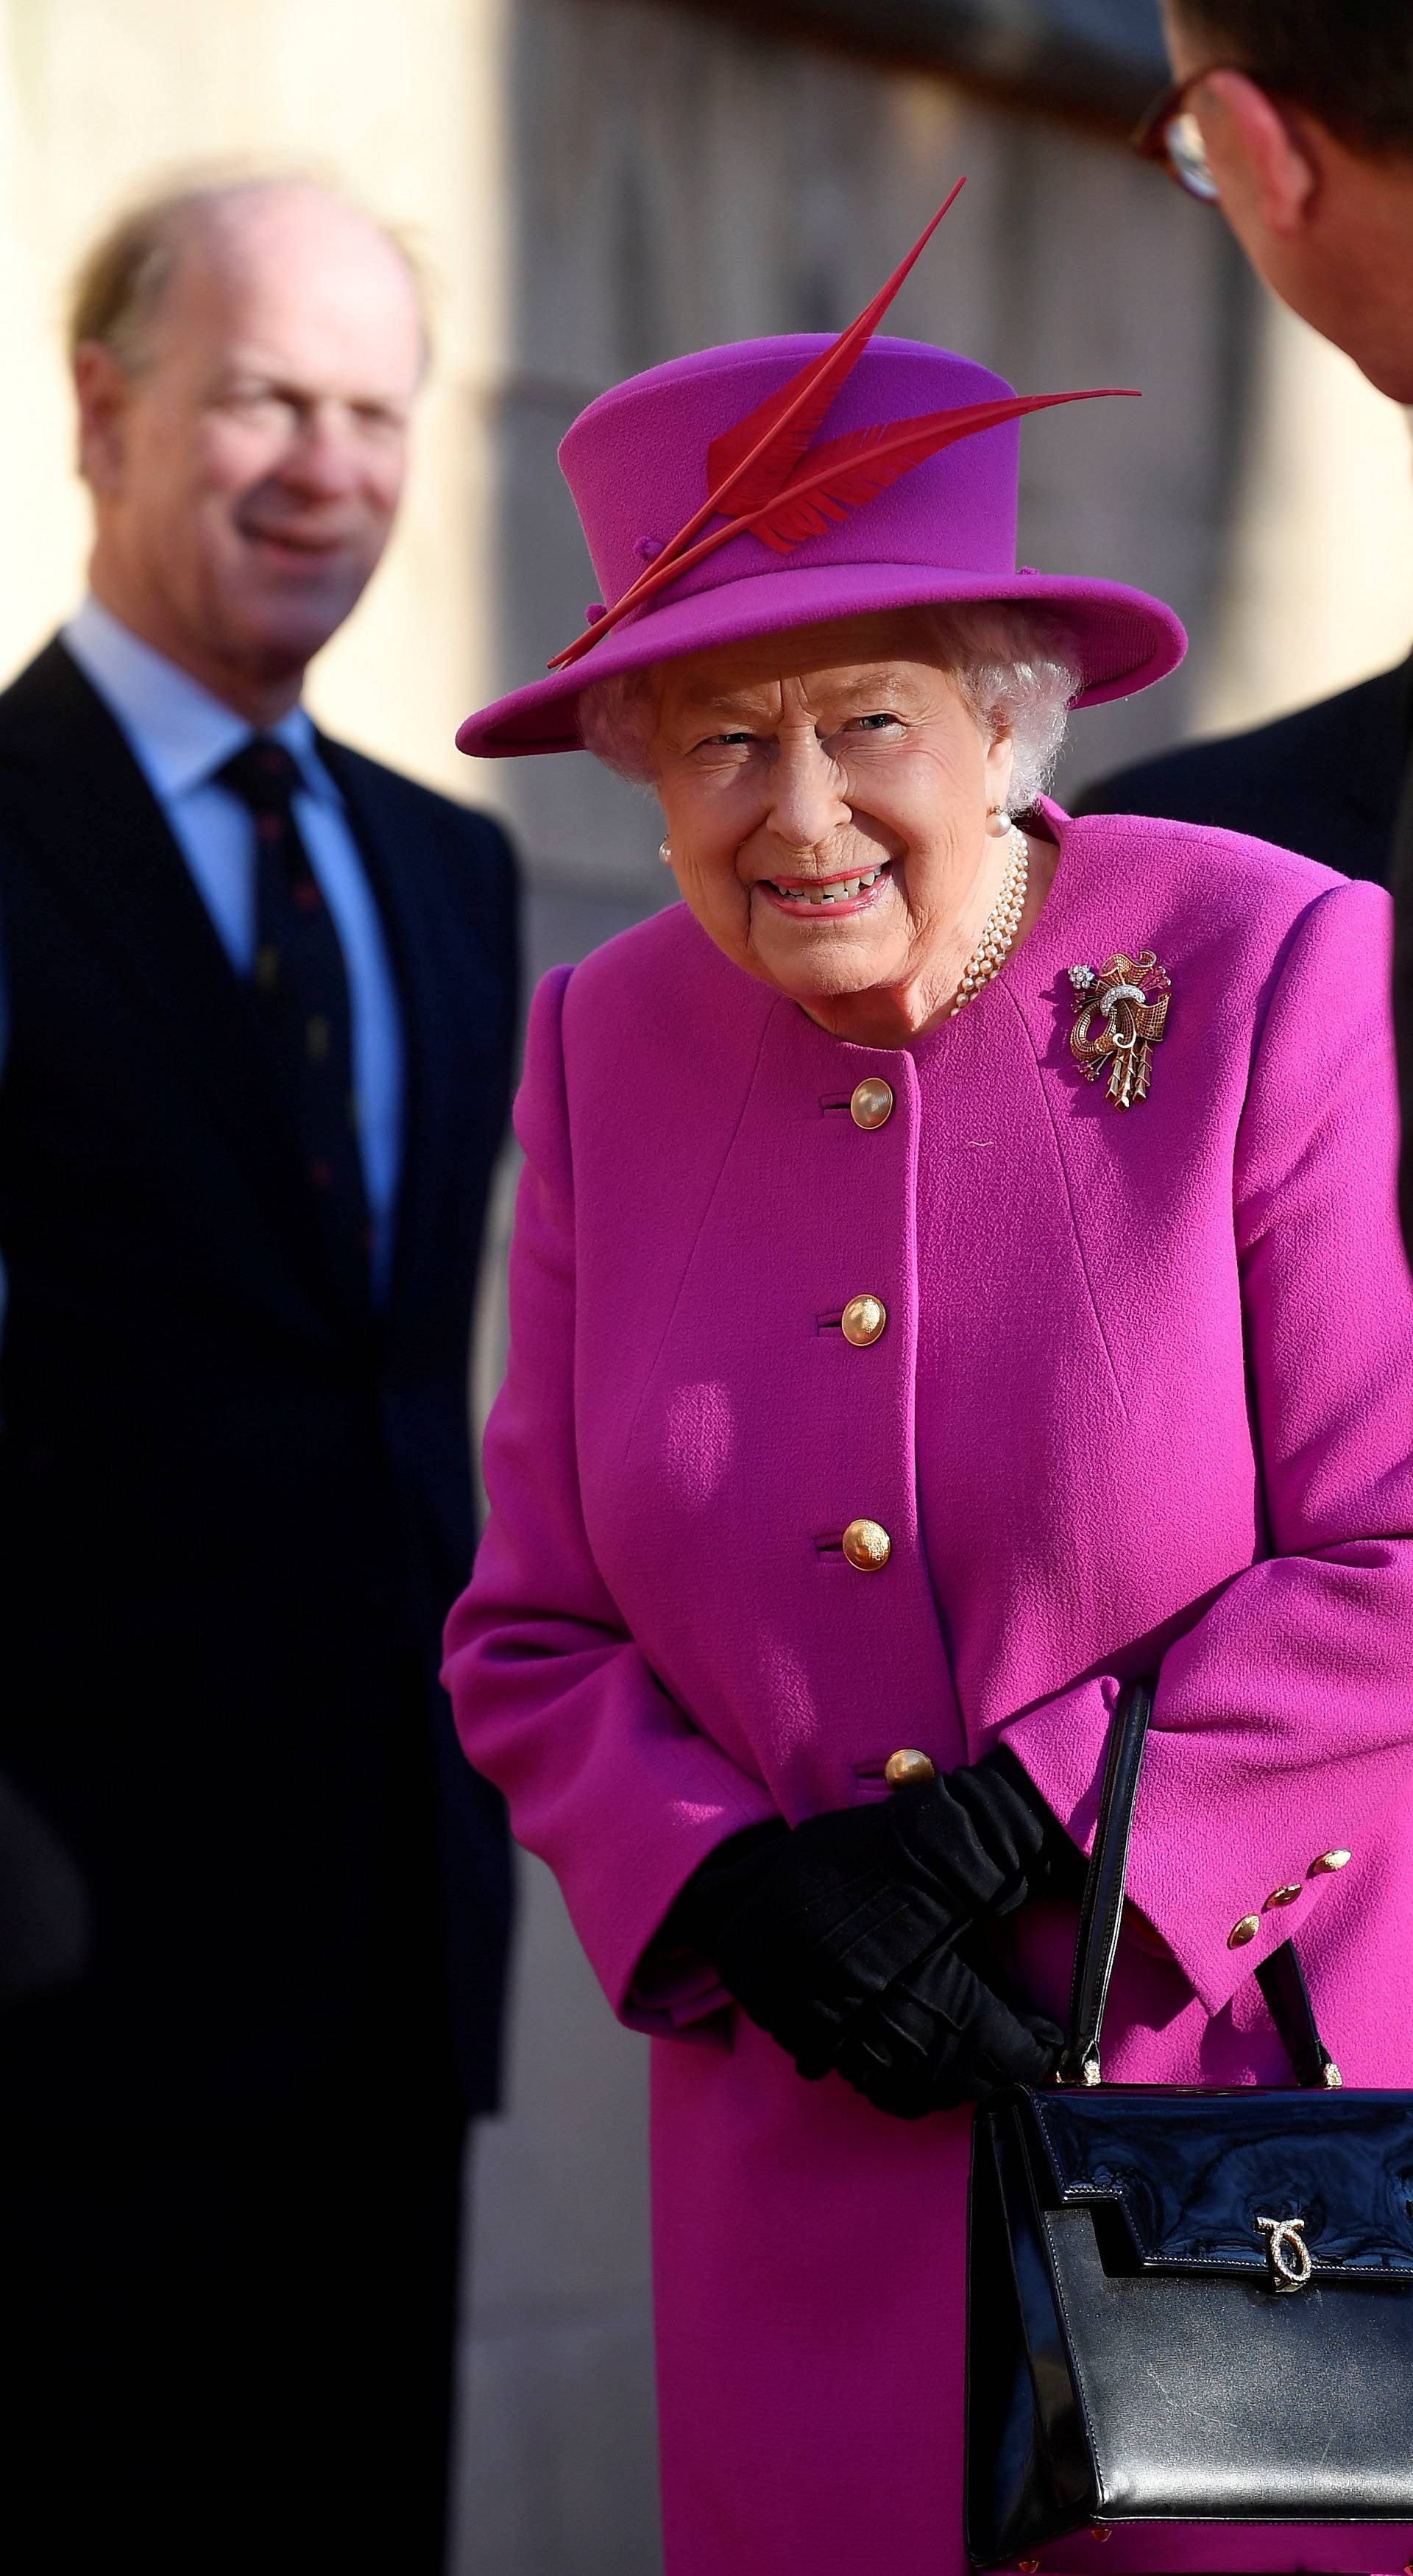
pixel 1348 62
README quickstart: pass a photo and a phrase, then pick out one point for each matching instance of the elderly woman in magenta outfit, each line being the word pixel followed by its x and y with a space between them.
pixel 955 1270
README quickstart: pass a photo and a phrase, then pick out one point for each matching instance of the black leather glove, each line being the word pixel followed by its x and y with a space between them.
pixel 721 1884
pixel 807 1928
pixel 945 2031
pixel 986 1835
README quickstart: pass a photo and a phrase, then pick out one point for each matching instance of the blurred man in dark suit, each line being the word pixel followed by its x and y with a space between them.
pixel 263 1001
pixel 43 1901
pixel 1296 117
pixel 1326 780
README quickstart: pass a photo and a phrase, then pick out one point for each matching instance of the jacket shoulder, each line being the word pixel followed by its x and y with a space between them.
pixel 49 712
pixel 1230 909
pixel 656 1027
pixel 48 673
pixel 1317 732
pixel 1304 729
pixel 1326 778
pixel 421 808
pixel 650 988
pixel 1223 870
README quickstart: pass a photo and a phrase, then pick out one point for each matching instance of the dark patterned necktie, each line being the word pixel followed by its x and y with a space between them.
pixel 301 999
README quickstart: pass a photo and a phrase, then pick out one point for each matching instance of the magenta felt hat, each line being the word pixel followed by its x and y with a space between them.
pixel 942 529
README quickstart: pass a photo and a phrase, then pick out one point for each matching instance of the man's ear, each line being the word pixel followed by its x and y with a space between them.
pixel 103 392
pixel 1257 151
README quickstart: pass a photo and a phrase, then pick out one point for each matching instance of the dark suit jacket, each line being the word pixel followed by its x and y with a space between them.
pixel 1325 781
pixel 233 1509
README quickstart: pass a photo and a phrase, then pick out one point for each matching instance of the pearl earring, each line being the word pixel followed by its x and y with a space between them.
pixel 998 821
pixel 664 851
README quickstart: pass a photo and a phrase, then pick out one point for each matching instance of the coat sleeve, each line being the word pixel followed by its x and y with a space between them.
pixel 1283 1717
pixel 606 1778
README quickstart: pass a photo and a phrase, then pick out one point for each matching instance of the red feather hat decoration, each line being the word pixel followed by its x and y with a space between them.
pixel 764 456
pixel 768 480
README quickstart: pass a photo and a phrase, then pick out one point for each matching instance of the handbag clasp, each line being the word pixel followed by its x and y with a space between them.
pixel 1287 2252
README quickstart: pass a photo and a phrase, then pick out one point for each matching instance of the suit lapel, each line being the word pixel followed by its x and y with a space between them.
pixel 71 785
pixel 406 896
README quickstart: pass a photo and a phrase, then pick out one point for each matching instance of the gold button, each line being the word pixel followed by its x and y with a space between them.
pixel 867 1545
pixel 872 1103
pixel 1329 1860
pixel 1244 1931
pixel 1282 1896
pixel 863 1320
pixel 901 1770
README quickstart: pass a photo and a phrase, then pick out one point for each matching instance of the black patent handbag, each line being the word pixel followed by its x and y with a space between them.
pixel 1184 2306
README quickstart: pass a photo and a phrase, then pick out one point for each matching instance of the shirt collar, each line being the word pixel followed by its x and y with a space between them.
pixel 180 735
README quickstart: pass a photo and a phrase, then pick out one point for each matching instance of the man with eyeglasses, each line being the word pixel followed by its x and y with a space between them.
pixel 1296 118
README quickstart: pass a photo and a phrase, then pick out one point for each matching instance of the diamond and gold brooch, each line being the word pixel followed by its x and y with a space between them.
pixel 1130 996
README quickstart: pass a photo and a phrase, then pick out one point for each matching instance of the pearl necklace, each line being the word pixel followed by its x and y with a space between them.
pixel 1002 924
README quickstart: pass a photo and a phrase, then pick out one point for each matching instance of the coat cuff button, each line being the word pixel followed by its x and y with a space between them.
pixel 1244 1931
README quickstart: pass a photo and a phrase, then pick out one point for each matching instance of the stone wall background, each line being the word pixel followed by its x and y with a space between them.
pixel 600 184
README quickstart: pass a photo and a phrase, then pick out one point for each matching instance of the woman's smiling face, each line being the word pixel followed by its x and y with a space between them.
pixel 826 794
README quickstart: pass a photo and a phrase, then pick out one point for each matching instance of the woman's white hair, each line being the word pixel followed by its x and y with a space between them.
pixel 1016 670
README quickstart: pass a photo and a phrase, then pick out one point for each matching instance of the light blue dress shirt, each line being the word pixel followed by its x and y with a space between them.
pixel 180 735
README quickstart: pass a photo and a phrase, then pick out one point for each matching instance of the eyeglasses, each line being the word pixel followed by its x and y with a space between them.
pixel 1170 135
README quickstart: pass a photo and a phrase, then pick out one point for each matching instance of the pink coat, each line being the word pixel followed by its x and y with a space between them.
pixel 1144 1401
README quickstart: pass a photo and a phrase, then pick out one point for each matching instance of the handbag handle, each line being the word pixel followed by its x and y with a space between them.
pixel 1280 1977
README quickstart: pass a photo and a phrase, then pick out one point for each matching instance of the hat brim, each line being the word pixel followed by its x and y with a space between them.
pixel 1124 640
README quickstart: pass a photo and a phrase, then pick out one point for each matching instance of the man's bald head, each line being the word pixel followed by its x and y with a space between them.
pixel 246 356
pixel 120 283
